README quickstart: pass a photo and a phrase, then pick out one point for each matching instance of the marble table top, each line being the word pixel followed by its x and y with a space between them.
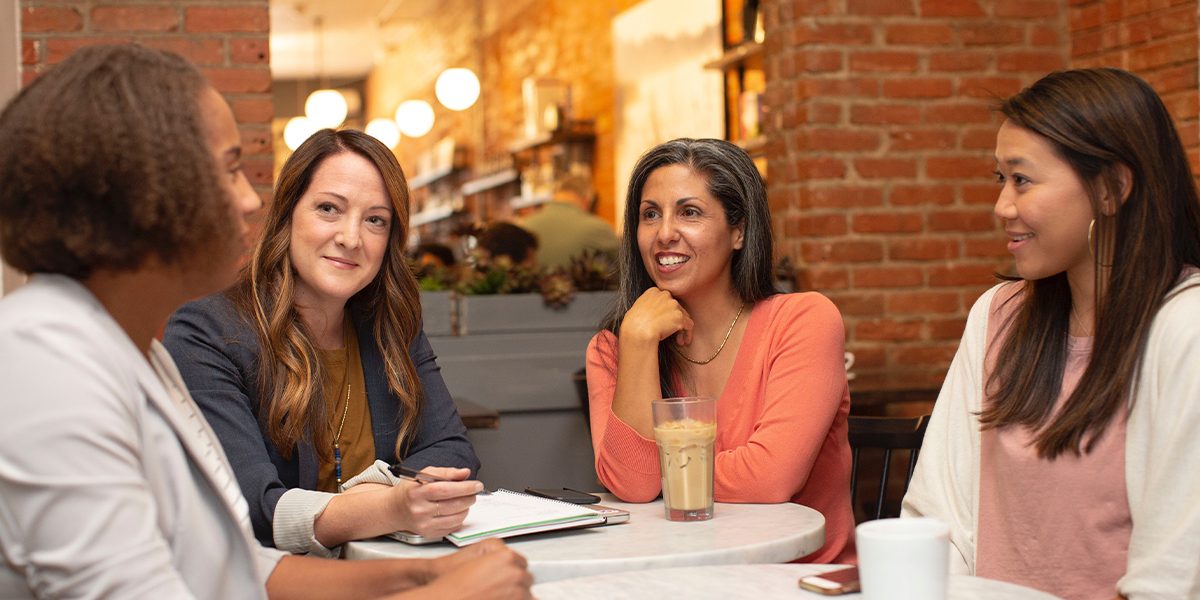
pixel 757 582
pixel 737 534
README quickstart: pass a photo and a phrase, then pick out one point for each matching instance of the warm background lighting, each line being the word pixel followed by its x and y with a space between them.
pixel 457 88
pixel 415 118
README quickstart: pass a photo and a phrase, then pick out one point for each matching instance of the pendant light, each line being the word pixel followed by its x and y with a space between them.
pixel 457 88
pixel 415 118
pixel 384 130
pixel 325 108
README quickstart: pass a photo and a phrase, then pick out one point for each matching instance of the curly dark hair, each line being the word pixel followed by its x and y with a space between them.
pixel 105 164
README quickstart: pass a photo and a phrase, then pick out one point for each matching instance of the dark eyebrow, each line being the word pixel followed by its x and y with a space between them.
pixel 234 153
pixel 685 199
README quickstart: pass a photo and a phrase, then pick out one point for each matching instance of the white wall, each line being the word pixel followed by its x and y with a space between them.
pixel 10 81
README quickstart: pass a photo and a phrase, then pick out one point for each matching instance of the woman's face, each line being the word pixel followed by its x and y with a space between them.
pixel 225 143
pixel 683 236
pixel 340 229
pixel 1043 206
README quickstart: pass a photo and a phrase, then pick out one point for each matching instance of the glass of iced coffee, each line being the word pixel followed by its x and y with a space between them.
pixel 686 432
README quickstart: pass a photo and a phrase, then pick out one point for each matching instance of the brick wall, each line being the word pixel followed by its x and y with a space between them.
pixel 880 158
pixel 560 39
pixel 227 39
pixel 1157 39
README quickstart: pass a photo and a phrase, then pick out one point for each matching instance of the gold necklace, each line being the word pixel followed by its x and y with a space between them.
pixel 1079 322
pixel 719 348
pixel 337 450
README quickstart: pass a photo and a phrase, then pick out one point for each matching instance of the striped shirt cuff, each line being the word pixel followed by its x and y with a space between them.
pixel 295 517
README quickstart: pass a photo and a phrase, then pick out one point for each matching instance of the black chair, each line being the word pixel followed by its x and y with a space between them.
pixel 887 434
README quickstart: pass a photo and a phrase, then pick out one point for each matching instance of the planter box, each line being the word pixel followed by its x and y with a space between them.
pixel 437 313
pixel 506 313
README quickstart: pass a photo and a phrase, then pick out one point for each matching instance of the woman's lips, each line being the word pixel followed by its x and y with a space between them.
pixel 340 263
pixel 669 263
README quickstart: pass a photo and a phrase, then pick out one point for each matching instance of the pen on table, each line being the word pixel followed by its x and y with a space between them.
pixel 420 477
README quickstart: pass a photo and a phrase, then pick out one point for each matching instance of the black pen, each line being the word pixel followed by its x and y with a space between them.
pixel 403 472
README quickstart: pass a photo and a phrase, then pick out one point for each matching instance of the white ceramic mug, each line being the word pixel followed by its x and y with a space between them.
pixel 903 559
pixel 849 364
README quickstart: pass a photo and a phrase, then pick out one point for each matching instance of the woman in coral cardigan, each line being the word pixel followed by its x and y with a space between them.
pixel 698 314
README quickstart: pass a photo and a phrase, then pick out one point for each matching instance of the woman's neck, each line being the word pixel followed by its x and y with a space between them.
pixel 1082 283
pixel 140 301
pixel 712 313
pixel 326 324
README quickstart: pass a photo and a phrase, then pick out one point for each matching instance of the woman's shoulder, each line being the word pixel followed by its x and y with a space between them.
pixel 799 304
pixel 214 315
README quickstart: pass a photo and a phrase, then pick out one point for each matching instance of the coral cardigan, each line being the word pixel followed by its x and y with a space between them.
pixel 781 420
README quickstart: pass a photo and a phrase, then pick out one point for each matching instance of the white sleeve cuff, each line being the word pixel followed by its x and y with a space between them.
pixel 376 473
pixel 295 517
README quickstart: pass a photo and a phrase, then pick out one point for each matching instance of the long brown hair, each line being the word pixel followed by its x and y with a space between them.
pixel 290 373
pixel 1099 121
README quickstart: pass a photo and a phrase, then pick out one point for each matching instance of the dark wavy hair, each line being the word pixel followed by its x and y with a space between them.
pixel 291 374
pixel 1098 121
pixel 104 164
pixel 731 178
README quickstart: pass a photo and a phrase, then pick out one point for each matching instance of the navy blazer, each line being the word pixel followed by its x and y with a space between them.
pixel 217 353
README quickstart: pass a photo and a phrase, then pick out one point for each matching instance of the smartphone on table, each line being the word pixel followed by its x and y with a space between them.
pixel 564 495
pixel 832 583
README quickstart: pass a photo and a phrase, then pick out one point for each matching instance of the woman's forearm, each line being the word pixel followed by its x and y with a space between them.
pixel 344 519
pixel 637 383
pixel 303 577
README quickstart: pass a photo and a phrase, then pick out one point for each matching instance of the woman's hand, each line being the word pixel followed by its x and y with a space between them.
pixel 655 316
pixel 488 570
pixel 438 508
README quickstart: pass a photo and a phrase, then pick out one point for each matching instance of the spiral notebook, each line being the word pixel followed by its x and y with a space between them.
pixel 504 513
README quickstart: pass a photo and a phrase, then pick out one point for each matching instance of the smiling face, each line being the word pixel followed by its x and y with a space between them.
pixel 225 143
pixel 1043 206
pixel 683 236
pixel 340 231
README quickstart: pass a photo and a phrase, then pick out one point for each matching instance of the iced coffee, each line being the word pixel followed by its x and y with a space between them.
pixel 685 457
pixel 686 432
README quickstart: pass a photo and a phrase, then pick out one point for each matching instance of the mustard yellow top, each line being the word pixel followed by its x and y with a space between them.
pixel 344 366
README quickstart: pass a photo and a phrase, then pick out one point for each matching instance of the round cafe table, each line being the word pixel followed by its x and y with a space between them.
pixel 737 534
pixel 757 582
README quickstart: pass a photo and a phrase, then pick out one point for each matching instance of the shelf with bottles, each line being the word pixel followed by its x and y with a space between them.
pixel 745 83
pixel 435 190
pixel 543 161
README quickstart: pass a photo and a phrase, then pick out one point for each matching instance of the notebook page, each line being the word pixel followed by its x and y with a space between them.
pixel 506 512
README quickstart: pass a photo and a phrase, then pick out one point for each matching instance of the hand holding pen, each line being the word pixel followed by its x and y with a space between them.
pixel 438 502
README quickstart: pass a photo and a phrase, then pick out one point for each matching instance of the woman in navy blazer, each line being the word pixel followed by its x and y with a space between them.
pixel 328 302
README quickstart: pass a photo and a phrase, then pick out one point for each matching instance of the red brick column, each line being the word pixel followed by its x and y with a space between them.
pixel 881 158
pixel 227 39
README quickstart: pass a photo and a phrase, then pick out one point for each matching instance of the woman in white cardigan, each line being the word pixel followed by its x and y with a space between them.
pixel 1063 450
pixel 124 196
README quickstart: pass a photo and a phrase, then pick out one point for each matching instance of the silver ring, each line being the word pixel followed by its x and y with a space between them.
pixel 437 506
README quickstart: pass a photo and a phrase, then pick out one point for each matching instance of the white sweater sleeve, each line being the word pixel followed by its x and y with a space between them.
pixel 945 484
pixel 1162 458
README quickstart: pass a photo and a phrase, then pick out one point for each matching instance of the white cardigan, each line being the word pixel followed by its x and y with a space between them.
pixel 111 483
pixel 1162 452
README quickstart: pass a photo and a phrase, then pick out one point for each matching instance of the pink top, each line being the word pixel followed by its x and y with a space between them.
pixel 781 420
pixel 1061 526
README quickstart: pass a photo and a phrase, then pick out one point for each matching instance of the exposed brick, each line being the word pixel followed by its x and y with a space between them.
pixel 200 51
pixel 813 61
pixel 991 34
pixel 253 110
pixel 989 87
pixel 58 48
pixel 816 225
pixel 962 220
pixel 923 248
pixel 825 278
pixel 981 193
pixel 957 167
pixel 845 87
pixel 256 139
pixel 877 168
pixel 935 355
pixel 883 61
pixel 985 248
pixel 239 80
pixel 841 251
pixel 951 8
pixel 922 139
pixel 918 34
pixel 957 113
pixel 979 138
pixel 888 276
pixel 249 51
pixel 821 168
pixel 918 87
pixel 858 303
pixel 1044 36
pixel 226 19
pixel 260 171
pixel 937 302
pixel 961 274
pixel 1034 60
pixel 29 52
pixel 1088 17
pixel 885 114
pixel 845 34
pixel 959 61
pixel 842 139
pixel 880 8
pixel 946 329
pixel 916 195
pixel 842 196
pixel 1024 9
pixel 888 330
pixel 44 19
pixel 1165 53
pixel 135 18
pixel 887 223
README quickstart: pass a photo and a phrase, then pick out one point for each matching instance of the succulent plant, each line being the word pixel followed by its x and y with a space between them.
pixel 593 271
pixel 557 289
